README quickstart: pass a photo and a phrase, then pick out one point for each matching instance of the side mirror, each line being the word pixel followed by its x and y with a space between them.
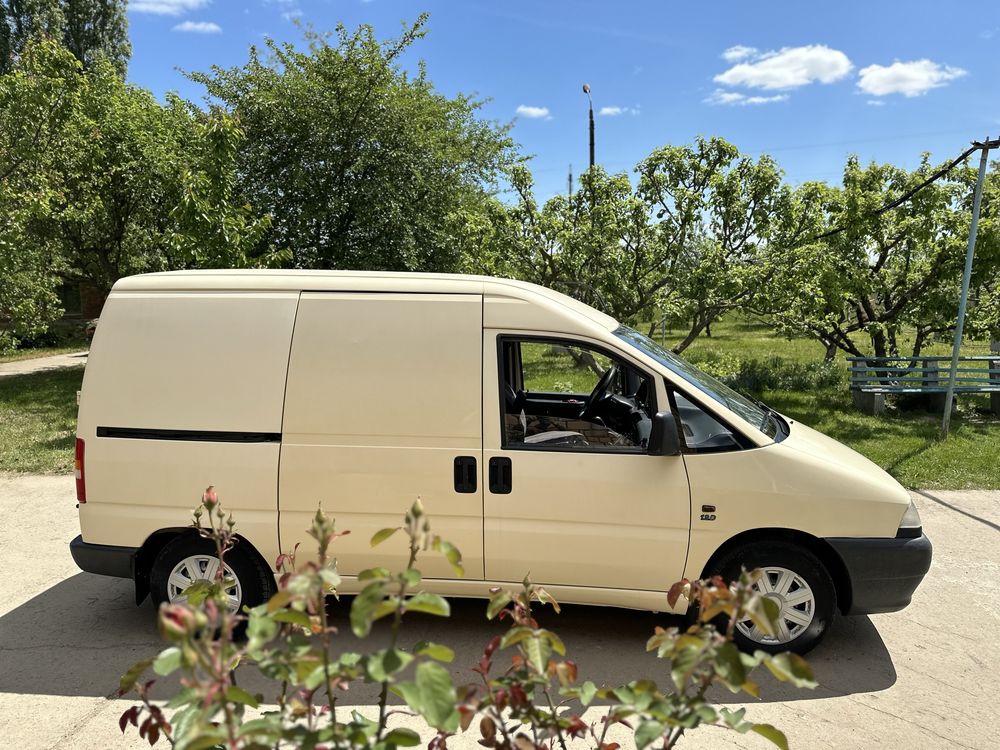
pixel 663 438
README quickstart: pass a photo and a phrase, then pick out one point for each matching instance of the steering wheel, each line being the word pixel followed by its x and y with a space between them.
pixel 589 410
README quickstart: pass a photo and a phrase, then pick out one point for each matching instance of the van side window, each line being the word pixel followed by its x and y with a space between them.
pixel 558 394
pixel 702 432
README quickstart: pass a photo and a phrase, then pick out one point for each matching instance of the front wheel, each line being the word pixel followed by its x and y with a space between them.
pixel 797 582
pixel 189 558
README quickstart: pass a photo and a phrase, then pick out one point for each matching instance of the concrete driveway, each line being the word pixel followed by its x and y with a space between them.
pixel 40 364
pixel 921 678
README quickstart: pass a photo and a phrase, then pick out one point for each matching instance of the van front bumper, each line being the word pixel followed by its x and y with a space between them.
pixel 884 573
pixel 103 559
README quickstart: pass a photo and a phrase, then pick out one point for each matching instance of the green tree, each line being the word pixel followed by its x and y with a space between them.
pixel 858 290
pixel 98 27
pixel 685 242
pixel 37 99
pixel 87 28
pixel 99 181
pixel 359 163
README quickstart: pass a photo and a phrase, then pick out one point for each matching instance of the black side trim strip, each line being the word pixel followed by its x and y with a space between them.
pixel 208 436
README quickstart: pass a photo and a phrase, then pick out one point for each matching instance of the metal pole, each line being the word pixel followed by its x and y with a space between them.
pixel 592 135
pixel 586 90
pixel 966 277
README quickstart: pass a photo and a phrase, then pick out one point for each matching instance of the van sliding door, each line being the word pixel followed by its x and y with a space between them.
pixel 383 404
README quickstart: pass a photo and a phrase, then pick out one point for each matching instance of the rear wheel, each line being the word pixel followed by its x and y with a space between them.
pixel 797 582
pixel 190 558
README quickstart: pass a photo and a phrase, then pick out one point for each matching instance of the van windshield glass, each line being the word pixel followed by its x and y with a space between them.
pixel 752 411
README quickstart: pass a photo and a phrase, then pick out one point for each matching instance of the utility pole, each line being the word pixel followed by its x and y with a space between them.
pixel 977 200
pixel 570 181
pixel 586 90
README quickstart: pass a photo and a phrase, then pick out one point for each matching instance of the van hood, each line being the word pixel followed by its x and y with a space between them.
pixel 816 445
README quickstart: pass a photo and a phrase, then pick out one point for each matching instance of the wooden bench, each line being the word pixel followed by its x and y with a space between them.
pixel 871 378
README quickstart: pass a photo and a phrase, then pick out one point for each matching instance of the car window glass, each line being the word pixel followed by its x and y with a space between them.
pixel 703 433
pixel 560 395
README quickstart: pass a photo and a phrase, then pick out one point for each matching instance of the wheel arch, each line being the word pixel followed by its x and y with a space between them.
pixel 819 547
pixel 154 544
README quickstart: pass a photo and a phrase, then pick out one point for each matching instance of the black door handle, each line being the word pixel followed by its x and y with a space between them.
pixel 465 474
pixel 500 475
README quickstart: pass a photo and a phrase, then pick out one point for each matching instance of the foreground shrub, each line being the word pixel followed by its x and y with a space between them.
pixel 527 693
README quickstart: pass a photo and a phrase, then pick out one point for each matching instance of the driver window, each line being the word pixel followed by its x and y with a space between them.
pixel 568 396
pixel 702 432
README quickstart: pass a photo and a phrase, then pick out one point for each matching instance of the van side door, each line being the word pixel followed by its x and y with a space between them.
pixel 573 498
pixel 383 404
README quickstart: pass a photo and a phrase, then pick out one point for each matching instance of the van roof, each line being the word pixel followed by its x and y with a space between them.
pixel 355 281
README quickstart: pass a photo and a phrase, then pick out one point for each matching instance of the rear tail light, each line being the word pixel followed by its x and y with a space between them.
pixel 81 484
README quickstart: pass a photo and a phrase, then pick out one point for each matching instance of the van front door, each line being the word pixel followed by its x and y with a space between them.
pixel 572 497
pixel 382 405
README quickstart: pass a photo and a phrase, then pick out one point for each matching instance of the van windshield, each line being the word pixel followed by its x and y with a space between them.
pixel 752 411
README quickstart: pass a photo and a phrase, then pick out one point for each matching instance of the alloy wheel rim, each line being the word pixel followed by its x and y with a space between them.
pixel 796 605
pixel 202 568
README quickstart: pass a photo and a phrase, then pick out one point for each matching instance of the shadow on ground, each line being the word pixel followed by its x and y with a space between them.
pixel 78 637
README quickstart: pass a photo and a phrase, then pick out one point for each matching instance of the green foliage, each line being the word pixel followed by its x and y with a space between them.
pixel 685 241
pixel 89 29
pixel 99 181
pixel 290 641
pixel 36 101
pixel 359 164
pixel 885 272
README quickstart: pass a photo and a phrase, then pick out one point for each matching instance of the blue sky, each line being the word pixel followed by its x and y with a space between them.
pixel 806 82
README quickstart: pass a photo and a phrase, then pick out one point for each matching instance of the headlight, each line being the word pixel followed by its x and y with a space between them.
pixel 910 527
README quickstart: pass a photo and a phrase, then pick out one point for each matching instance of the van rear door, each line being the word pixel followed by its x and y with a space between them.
pixel 383 403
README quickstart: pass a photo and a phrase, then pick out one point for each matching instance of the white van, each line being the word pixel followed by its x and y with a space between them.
pixel 543 437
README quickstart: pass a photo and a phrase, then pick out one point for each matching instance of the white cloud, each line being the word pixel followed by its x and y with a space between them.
pixel 199 27
pixel 615 111
pixel 534 113
pixel 787 68
pixel 735 98
pixel 291 15
pixel 166 7
pixel 739 52
pixel 906 78
pixel 875 103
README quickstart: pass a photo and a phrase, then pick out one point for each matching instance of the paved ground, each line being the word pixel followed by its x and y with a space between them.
pixel 38 364
pixel 921 678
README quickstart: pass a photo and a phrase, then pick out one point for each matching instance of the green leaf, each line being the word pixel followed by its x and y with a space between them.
pixel 411 577
pixel 434 651
pixel 293 616
pixel 647 733
pixel 452 555
pixel 729 666
pixel 401 737
pixel 382 665
pixel 409 692
pixel 792 668
pixel 239 695
pixel 588 691
pixel 497 602
pixel 432 604
pixel 373 574
pixel 437 696
pixel 168 661
pixel 771 733
pixel 383 534
pixel 128 680
pixel 537 650
pixel 363 607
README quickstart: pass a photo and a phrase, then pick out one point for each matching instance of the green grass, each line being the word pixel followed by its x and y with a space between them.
pixel 19 354
pixel 38 421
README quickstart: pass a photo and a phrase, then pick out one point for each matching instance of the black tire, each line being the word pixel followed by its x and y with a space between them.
pixel 257 584
pixel 804 565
